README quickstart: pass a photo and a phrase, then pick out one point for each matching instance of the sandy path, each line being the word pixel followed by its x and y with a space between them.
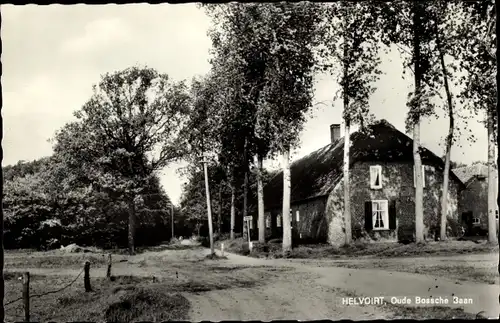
pixel 292 297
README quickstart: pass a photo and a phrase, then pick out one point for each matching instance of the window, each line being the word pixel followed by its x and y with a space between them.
pixel 375 177
pixel 268 221
pixel 423 177
pixel 278 221
pixel 476 221
pixel 297 216
pixel 380 215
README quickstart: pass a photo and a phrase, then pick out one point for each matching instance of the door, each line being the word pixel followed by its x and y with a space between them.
pixel 467 222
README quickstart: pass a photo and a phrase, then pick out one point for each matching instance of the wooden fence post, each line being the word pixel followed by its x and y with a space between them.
pixel 86 278
pixel 26 295
pixel 108 273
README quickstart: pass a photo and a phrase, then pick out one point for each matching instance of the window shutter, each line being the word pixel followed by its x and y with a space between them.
pixel 392 215
pixel 373 174
pixel 368 216
pixel 378 179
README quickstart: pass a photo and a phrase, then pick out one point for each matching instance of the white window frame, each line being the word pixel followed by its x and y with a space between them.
pixel 476 220
pixel 278 221
pixel 297 216
pixel 268 221
pixel 374 171
pixel 381 206
pixel 423 176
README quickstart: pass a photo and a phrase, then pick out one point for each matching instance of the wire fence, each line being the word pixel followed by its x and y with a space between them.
pixel 27 297
pixel 47 293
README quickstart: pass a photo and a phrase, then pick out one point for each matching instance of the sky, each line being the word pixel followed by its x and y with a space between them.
pixel 52 55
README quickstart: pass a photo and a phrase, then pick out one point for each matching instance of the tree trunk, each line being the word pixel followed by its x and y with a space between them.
pixel 287 226
pixel 492 183
pixel 419 191
pixel 233 211
pixel 498 195
pixel 449 142
pixel 245 191
pixel 2 280
pixel 219 213
pixel 347 194
pixel 209 210
pixel 260 198
pixel 245 204
pixel 131 226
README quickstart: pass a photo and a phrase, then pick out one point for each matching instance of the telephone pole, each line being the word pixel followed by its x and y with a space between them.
pixel 209 208
pixel 172 216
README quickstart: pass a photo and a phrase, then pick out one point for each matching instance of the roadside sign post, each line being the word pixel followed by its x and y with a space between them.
pixel 248 219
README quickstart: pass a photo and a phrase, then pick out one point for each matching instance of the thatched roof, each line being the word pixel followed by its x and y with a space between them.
pixel 316 174
pixel 466 173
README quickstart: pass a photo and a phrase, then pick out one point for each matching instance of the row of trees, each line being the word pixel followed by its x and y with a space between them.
pixel 253 103
pixel 43 210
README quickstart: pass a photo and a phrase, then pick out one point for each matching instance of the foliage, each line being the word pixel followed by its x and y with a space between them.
pixel 41 215
pixel 104 162
pixel 128 130
pixel 477 57
pixel 193 200
pixel 351 38
pixel 400 21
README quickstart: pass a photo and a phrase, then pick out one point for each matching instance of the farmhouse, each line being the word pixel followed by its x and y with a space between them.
pixel 473 199
pixel 382 189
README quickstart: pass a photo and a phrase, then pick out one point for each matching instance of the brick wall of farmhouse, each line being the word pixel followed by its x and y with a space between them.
pixel 397 184
pixel 475 199
pixel 311 225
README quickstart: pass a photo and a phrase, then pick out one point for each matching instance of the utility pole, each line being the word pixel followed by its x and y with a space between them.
pixel 172 215
pixel 209 208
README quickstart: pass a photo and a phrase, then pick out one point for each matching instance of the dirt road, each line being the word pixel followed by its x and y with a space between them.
pixel 290 289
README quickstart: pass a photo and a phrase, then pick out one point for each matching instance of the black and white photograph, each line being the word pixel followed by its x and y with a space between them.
pixel 249 161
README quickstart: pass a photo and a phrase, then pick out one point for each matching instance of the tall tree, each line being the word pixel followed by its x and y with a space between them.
pixel 290 28
pixel 478 59
pixel 235 36
pixel 352 39
pixel 444 33
pixel 407 25
pixel 125 133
